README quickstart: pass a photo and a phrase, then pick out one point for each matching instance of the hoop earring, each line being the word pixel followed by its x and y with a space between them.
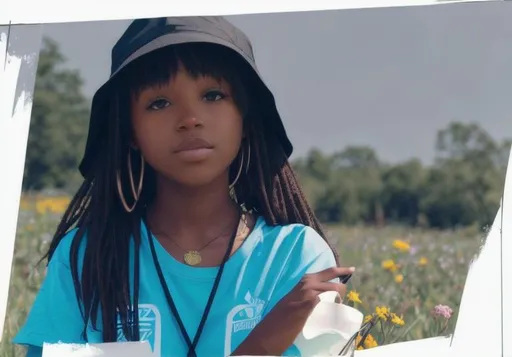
pixel 237 177
pixel 135 193
pixel 248 158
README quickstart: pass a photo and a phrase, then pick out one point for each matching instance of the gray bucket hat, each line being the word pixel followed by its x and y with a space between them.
pixel 146 35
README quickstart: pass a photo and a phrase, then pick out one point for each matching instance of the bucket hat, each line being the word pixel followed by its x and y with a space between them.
pixel 146 35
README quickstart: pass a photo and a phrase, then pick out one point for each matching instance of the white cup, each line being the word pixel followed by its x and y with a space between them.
pixel 329 327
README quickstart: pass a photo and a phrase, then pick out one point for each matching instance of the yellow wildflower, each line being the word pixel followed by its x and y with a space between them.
pixel 399 278
pixel 358 341
pixel 52 204
pixel 354 297
pixel 41 207
pixel 423 261
pixel 401 245
pixel 389 265
pixel 397 320
pixel 370 342
pixel 382 312
pixel 367 318
pixel 24 204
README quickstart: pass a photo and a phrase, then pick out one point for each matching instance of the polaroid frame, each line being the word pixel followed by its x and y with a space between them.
pixel 21 29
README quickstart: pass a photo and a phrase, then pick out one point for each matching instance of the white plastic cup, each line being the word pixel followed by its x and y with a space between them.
pixel 329 328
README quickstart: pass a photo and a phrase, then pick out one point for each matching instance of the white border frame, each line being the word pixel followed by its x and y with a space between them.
pixel 15 110
pixel 50 11
pixel 19 55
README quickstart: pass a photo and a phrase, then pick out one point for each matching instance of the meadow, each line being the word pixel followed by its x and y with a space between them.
pixel 409 281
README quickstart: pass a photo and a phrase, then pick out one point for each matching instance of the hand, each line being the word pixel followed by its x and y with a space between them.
pixel 279 329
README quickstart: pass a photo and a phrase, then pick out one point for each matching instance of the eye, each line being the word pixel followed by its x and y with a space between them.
pixel 158 104
pixel 214 95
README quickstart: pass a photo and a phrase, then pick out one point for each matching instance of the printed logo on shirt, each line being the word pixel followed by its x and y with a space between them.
pixel 242 317
pixel 150 327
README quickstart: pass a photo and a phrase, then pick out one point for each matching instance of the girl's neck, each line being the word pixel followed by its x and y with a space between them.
pixel 194 215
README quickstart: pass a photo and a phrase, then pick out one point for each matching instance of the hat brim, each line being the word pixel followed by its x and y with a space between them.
pixel 100 102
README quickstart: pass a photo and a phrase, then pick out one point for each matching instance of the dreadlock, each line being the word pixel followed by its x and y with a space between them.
pixel 107 237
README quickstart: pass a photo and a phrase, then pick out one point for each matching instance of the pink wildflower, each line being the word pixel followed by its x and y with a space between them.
pixel 442 311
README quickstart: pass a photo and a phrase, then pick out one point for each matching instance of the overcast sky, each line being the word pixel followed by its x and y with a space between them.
pixel 389 78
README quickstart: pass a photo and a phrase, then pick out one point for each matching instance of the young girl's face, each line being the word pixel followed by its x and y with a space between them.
pixel 189 129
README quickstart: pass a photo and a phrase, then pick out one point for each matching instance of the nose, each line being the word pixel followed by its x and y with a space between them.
pixel 189 121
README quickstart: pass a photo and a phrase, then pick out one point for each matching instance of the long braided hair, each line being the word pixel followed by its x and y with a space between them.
pixel 108 237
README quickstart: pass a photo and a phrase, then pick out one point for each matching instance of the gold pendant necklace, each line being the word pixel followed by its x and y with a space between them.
pixel 193 257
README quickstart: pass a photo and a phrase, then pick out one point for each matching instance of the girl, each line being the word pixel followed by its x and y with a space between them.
pixel 190 230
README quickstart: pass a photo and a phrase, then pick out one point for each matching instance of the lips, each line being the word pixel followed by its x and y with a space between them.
pixel 193 144
pixel 193 150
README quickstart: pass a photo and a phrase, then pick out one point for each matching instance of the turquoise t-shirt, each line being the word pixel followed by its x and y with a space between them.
pixel 263 270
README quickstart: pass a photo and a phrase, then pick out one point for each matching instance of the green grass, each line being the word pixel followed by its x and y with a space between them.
pixel 440 281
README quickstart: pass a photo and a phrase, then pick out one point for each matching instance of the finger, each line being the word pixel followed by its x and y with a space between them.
pixel 326 286
pixel 341 294
pixel 331 273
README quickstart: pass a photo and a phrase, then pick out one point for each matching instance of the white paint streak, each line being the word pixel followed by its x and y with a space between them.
pixel 35 11
pixel 478 329
pixel 506 252
pixel 3 48
pixel 125 349
pixel 428 347
pixel 14 127
pixel 9 179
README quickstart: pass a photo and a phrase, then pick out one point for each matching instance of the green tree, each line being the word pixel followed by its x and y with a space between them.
pixel 58 127
pixel 313 171
pixel 465 185
pixel 352 192
pixel 402 191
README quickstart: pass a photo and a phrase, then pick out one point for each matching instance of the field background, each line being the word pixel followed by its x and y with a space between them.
pixel 433 268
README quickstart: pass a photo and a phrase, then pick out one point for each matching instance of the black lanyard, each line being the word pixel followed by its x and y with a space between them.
pixel 170 301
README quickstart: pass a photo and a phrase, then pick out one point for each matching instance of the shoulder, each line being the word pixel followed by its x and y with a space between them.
pixel 294 237
pixel 55 314
pixel 71 246
pixel 64 247
pixel 297 246
pixel 290 252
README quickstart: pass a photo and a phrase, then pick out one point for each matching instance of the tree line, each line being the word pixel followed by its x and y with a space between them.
pixel 462 187
pixel 353 186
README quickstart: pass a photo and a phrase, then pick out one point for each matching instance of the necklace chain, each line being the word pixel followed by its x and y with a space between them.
pixel 193 256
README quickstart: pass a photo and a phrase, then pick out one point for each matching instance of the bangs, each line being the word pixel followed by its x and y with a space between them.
pixel 199 59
